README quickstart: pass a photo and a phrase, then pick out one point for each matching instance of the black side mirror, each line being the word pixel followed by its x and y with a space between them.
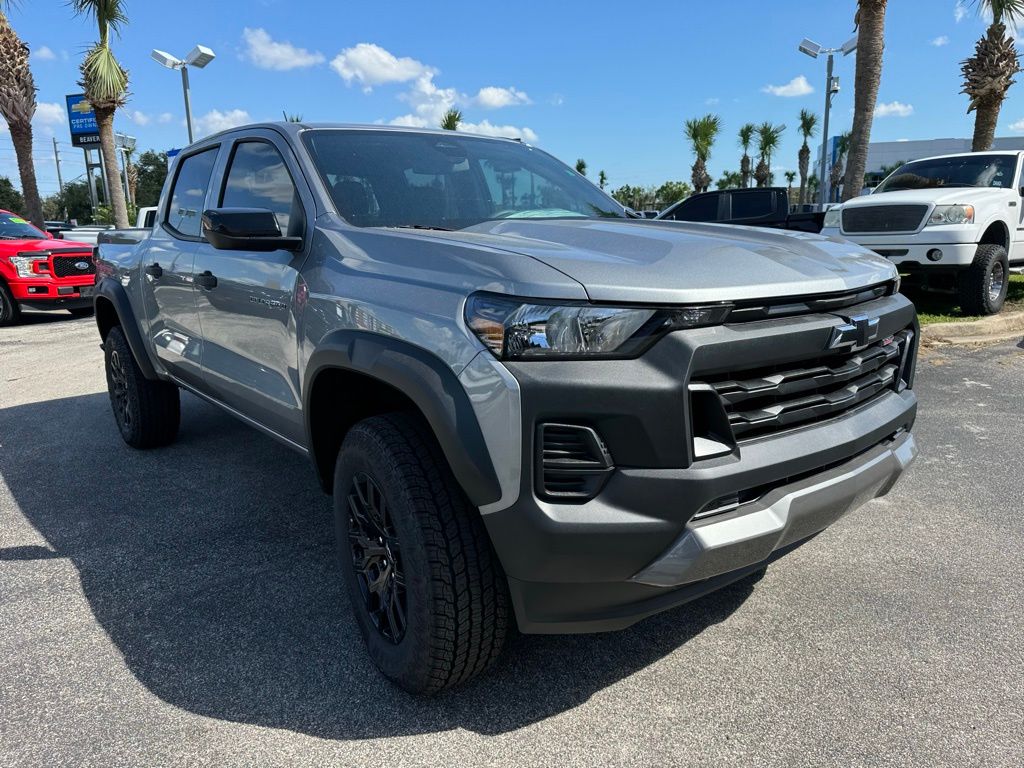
pixel 1021 190
pixel 246 229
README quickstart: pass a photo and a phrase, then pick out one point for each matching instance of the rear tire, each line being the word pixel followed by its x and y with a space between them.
pixel 10 312
pixel 983 285
pixel 147 412
pixel 425 586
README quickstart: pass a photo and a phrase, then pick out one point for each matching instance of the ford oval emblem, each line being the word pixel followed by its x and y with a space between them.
pixel 81 265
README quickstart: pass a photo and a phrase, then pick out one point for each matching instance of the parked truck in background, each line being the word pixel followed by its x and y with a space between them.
pixel 753 207
pixel 527 406
pixel 38 272
pixel 953 224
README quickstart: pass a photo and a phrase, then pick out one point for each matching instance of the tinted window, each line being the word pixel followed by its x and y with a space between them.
pixel 958 171
pixel 697 208
pixel 258 178
pixel 397 178
pixel 189 194
pixel 16 228
pixel 750 205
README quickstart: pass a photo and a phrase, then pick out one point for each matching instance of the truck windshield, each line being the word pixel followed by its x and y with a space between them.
pixel 16 228
pixel 433 181
pixel 960 171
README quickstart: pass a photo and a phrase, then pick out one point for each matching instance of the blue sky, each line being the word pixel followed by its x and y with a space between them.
pixel 608 82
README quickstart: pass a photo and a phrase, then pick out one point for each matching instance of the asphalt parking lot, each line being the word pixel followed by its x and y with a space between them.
pixel 181 606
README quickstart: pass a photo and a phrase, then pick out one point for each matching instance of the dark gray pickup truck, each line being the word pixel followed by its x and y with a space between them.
pixel 528 406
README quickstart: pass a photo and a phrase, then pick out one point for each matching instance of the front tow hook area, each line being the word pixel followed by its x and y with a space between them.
pixel 783 516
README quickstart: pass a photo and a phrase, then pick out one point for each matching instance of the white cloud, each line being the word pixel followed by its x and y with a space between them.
pixel 712 101
pixel 493 97
pixel 139 118
pixel 371 65
pixel 556 100
pixel 267 53
pixel 960 11
pixel 940 41
pixel 893 109
pixel 486 128
pixel 411 121
pixel 165 117
pixel 44 53
pixel 1018 126
pixel 215 120
pixel 50 113
pixel 798 86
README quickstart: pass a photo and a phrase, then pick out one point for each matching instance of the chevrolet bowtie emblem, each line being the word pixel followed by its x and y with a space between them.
pixel 857 332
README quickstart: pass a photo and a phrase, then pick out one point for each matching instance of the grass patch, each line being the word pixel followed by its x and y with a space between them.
pixel 942 308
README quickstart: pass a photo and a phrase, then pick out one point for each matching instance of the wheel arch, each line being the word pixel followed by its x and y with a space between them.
pixel 356 374
pixel 996 233
pixel 112 307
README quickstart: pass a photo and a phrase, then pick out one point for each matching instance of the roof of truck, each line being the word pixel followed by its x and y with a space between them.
pixel 294 129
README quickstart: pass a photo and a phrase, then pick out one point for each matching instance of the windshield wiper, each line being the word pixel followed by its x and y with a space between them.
pixel 423 226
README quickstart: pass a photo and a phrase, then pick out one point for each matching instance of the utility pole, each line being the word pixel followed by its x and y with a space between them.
pixel 60 180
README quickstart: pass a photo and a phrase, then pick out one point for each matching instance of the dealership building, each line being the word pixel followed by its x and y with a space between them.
pixel 888 153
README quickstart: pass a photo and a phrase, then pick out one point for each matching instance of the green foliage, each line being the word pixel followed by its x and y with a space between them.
pixel 451 120
pixel 104 214
pixel 152 167
pixel 74 201
pixel 581 167
pixel 652 197
pixel 293 118
pixel 1003 10
pixel 602 179
pixel 746 135
pixel 671 192
pixel 701 133
pixel 10 198
pixel 808 124
pixel 730 180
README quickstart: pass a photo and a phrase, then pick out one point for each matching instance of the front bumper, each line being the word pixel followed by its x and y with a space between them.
pixel 635 548
pixel 957 244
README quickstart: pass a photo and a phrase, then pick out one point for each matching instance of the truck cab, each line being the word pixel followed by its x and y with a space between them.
pixel 953 224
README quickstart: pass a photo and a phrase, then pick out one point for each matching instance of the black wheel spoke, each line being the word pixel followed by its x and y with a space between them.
pixel 375 558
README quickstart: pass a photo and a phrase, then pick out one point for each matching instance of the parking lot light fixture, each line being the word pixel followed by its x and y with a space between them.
pixel 198 57
pixel 813 49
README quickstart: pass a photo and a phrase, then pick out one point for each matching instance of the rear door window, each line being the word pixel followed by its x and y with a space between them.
pixel 753 205
pixel 697 208
pixel 188 195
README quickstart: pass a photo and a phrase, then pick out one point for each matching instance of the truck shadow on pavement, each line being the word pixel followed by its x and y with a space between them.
pixel 210 565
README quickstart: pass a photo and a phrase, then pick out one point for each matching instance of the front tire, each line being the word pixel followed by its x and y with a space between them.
pixel 983 285
pixel 147 412
pixel 424 583
pixel 10 312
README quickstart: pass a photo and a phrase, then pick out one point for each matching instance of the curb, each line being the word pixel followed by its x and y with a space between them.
pixel 987 330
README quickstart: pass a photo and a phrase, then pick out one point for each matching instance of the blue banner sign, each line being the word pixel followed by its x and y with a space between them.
pixel 82 120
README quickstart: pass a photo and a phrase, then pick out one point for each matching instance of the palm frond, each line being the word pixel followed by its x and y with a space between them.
pixel 1002 10
pixel 104 80
pixel 746 134
pixel 106 13
pixel 808 124
pixel 451 120
pixel 701 132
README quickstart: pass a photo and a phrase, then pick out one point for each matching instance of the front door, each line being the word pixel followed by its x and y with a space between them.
pixel 167 270
pixel 247 299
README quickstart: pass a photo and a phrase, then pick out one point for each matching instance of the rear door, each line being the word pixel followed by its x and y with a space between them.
pixel 167 269
pixel 247 299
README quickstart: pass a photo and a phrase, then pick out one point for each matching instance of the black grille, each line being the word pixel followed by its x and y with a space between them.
pixel 574 463
pixel 883 218
pixel 766 400
pixel 64 266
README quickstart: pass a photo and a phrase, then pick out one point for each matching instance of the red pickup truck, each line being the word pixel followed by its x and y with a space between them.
pixel 38 272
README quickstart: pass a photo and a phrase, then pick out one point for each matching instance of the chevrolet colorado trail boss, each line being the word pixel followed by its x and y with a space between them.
pixel 954 224
pixel 38 272
pixel 527 406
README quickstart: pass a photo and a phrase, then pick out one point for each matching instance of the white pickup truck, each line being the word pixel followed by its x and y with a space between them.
pixel 951 223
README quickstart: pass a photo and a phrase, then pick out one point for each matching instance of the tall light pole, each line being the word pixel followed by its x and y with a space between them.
pixel 198 57
pixel 814 50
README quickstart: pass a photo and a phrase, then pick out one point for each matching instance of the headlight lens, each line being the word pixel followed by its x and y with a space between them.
pixel 831 218
pixel 516 329
pixel 23 265
pixel 951 214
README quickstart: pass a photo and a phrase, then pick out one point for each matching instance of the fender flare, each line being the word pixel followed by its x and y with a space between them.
pixel 431 385
pixel 111 290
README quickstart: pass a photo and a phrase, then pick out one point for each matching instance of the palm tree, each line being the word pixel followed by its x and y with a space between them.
pixel 105 83
pixel 808 127
pixel 790 178
pixel 730 180
pixel 602 179
pixel 701 132
pixel 294 118
pixel 869 22
pixel 988 74
pixel 18 106
pixel 581 167
pixel 768 139
pixel 835 174
pixel 746 137
pixel 451 120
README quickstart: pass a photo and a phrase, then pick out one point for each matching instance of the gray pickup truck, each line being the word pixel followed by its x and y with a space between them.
pixel 528 406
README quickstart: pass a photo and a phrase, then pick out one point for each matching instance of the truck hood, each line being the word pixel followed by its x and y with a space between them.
pixel 682 262
pixel 939 196
pixel 12 247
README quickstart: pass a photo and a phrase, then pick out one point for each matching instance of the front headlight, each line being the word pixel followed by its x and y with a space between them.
pixel 832 216
pixel 517 329
pixel 951 214
pixel 23 264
